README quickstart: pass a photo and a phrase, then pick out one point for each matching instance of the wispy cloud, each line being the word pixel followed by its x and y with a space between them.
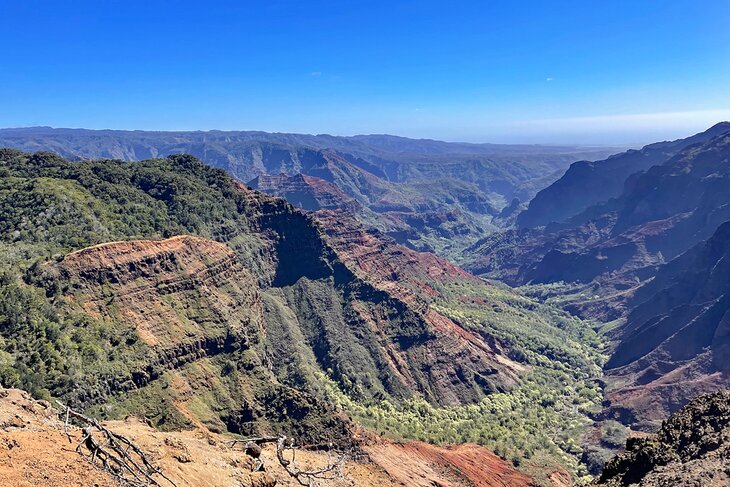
pixel 315 73
pixel 548 79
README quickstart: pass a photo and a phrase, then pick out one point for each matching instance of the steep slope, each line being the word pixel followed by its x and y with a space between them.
pixel 691 449
pixel 649 224
pixel 547 358
pixel 191 320
pixel 166 289
pixel 306 192
pixel 429 195
pixel 587 183
pixel 675 342
pixel 619 244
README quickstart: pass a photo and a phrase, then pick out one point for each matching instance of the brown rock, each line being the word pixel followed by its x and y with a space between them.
pixel 183 458
pixel 262 479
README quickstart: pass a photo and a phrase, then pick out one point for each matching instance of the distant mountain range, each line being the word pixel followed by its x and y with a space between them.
pixel 427 194
pixel 173 290
pixel 651 260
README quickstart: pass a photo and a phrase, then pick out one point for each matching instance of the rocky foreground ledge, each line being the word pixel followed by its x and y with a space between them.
pixel 692 448
pixel 37 448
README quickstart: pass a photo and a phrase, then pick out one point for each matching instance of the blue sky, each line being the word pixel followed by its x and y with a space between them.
pixel 493 71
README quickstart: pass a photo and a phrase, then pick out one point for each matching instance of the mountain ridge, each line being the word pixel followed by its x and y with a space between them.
pixel 161 314
pixel 589 183
pixel 625 239
pixel 367 168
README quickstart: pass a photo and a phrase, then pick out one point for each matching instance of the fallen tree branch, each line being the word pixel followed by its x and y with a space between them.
pixel 118 454
pixel 308 478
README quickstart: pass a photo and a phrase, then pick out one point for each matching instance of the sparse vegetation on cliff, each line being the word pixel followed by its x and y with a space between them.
pixel 293 312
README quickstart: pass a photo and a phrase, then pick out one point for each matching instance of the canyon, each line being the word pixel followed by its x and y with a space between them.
pixel 338 291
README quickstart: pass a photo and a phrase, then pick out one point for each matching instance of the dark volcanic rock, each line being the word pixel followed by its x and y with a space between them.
pixel 691 449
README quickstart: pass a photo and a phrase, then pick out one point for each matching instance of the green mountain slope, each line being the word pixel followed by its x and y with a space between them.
pixel 429 195
pixel 167 289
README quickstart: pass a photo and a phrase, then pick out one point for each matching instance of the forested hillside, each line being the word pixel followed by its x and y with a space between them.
pixel 164 288
pixel 427 194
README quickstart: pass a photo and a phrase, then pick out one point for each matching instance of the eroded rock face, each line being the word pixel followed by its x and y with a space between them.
pixel 586 183
pixel 198 312
pixel 620 243
pixel 461 366
pixel 307 192
pixel 184 289
pixel 192 302
pixel 676 343
pixel 410 276
pixel 691 449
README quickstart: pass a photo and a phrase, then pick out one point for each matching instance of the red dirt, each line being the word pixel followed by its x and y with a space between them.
pixel 420 464
pixel 35 451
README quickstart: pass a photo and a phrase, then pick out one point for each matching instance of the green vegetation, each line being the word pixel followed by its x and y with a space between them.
pixel 52 353
pixel 312 305
pixel 50 206
pixel 540 420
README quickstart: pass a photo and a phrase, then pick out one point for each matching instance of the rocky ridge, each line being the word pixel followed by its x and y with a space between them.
pixel 674 345
pixel 619 244
pixel 690 449
pixel 587 183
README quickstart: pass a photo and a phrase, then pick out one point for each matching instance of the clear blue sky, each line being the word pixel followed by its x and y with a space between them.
pixel 502 71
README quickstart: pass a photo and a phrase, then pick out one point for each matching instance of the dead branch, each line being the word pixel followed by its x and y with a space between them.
pixel 257 440
pixel 331 471
pixel 118 454
pixel 307 478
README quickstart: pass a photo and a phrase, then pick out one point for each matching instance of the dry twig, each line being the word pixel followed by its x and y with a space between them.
pixel 118 454
pixel 308 477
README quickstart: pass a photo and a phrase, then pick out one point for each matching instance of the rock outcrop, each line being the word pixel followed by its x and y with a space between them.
pixel 173 291
pixel 690 449
pixel 306 192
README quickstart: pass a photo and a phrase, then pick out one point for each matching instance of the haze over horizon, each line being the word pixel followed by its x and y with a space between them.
pixel 614 74
pixel 365 243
